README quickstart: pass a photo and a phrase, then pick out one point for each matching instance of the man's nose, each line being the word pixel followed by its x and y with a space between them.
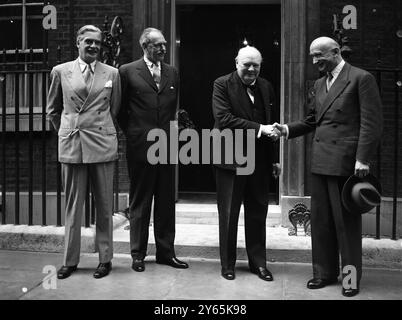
pixel 315 60
pixel 251 68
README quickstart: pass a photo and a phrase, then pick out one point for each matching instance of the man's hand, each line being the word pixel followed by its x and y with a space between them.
pixel 280 128
pixel 269 131
pixel 361 169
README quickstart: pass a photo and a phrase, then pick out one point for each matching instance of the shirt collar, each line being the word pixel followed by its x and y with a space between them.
pixel 83 64
pixel 150 63
pixel 335 72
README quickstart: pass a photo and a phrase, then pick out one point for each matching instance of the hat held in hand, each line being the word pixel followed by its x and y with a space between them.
pixel 360 195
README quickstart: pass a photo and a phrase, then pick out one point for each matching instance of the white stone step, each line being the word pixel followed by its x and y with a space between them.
pixel 201 213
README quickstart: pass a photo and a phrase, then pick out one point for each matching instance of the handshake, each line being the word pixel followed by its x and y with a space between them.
pixel 273 131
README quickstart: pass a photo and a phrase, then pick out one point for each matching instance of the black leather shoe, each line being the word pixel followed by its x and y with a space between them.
pixel 173 262
pixel 103 270
pixel 350 292
pixel 65 271
pixel 263 273
pixel 138 265
pixel 317 283
pixel 228 274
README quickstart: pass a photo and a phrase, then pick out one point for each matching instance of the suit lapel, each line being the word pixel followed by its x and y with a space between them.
pixel 265 100
pixel 146 75
pixel 336 89
pixel 164 77
pixel 76 81
pixel 240 94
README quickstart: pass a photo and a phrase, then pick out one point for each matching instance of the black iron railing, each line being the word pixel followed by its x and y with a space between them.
pixel 23 92
pixel 391 88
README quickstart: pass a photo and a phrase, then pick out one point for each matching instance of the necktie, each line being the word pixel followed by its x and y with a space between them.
pixel 329 79
pixel 88 76
pixel 156 74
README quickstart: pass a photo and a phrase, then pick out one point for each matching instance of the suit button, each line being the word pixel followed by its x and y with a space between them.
pixel 334 141
pixel 338 110
pixel 100 128
pixel 317 139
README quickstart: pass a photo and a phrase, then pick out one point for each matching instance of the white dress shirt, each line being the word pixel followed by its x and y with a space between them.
pixel 83 65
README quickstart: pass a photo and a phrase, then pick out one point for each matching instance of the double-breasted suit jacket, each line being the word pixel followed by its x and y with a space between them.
pixel 146 107
pixel 85 122
pixel 348 124
pixel 87 143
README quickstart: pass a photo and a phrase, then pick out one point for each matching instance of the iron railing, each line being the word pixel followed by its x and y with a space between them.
pixel 23 93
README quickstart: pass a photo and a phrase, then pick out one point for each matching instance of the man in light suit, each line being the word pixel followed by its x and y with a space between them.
pixel 243 100
pixel 149 100
pixel 83 100
pixel 346 117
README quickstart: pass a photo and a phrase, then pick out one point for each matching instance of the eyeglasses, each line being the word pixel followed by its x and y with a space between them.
pixel 158 45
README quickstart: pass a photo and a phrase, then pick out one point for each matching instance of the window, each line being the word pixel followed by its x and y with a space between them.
pixel 22 21
pixel 21 28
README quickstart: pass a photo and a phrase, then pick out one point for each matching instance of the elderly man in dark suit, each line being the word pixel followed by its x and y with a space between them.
pixel 347 120
pixel 149 99
pixel 244 101
pixel 83 100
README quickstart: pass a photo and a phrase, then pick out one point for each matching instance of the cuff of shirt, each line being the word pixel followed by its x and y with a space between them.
pixel 259 132
pixel 287 131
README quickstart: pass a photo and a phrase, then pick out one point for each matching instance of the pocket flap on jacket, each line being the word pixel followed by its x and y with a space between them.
pixel 64 132
pixel 110 130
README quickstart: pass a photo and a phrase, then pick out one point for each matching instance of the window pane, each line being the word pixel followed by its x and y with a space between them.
pixel 34 27
pixel 34 34
pixel 10 22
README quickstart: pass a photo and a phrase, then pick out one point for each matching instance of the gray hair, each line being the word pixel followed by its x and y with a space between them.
pixel 144 38
pixel 86 28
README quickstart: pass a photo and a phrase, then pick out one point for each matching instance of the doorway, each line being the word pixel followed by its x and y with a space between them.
pixel 208 38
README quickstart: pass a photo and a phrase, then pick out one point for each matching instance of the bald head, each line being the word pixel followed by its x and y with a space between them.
pixel 249 52
pixel 324 43
pixel 326 53
pixel 248 64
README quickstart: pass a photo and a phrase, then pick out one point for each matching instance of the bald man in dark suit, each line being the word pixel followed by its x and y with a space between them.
pixel 347 120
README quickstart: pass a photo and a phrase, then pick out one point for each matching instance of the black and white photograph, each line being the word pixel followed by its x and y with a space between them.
pixel 201 159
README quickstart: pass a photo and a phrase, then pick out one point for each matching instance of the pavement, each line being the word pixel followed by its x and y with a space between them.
pixel 31 276
pixel 30 256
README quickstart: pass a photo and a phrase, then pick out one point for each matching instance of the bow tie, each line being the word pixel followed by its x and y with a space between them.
pixel 252 87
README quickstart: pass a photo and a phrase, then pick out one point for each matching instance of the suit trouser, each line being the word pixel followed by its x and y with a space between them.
pixel 231 191
pixel 75 181
pixel 334 230
pixel 149 182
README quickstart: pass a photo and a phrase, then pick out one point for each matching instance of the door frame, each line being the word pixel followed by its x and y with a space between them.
pixel 299 25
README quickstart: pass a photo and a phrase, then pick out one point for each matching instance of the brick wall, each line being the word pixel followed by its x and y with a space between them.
pixel 377 24
pixel 88 12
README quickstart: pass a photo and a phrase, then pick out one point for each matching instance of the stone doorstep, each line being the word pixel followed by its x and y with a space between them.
pixel 195 241
pixel 188 213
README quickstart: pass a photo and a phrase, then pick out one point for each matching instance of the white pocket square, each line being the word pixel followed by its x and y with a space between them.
pixel 172 88
pixel 108 84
